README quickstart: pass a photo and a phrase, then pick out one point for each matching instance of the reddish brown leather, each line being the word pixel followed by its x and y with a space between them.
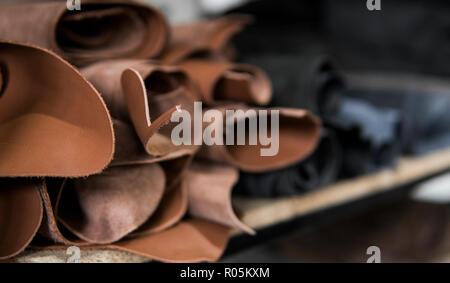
pixel 117 29
pixel 224 81
pixel 50 191
pixel 20 215
pixel 209 193
pixel 299 133
pixel 52 121
pixel 191 240
pixel 207 38
pixel 171 210
pixel 104 208
pixel 145 94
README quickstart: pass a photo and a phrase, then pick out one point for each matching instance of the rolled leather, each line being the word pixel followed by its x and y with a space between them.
pixel 52 121
pixel 144 94
pixel 164 234
pixel 100 30
pixel 206 38
pixel 219 82
pixel 320 169
pixel 299 133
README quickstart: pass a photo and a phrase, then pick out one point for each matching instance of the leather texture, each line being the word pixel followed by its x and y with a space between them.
pixel 299 134
pixel 52 121
pixel 100 30
pixel 86 157
pixel 206 38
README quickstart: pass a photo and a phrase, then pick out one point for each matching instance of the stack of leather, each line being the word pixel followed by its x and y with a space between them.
pixel 86 158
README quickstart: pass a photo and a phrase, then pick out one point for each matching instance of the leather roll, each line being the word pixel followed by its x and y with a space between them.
pixel 206 38
pixel 100 30
pixel 220 82
pixel 299 133
pixel 144 94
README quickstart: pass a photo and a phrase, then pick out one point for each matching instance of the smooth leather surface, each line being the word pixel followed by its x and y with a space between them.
pixel 299 133
pixel 145 94
pixel 52 121
pixel 224 81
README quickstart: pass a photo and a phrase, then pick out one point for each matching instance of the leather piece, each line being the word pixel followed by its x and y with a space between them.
pixel 104 208
pixel 191 240
pixel 299 133
pixel 20 215
pixel 50 191
pixel 207 241
pixel 223 81
pixel 101 30
pixel 171 210
pixel 52 121
pixel 145 94
pixel 129 150
pixel 207 38
pixel 209 193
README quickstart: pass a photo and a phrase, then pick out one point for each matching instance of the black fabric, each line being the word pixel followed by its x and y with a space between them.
pixel 369 137
pixel 306 80
pixel 319 170
pixel 425 117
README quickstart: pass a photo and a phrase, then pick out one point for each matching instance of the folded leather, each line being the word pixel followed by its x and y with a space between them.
pixel 52 121
pixel 223 81
pixel 209 193
pixel 100 30
pixel 165 235
pixel 299 133
pixel 145 94
pixel 104 208
pixel 207 38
